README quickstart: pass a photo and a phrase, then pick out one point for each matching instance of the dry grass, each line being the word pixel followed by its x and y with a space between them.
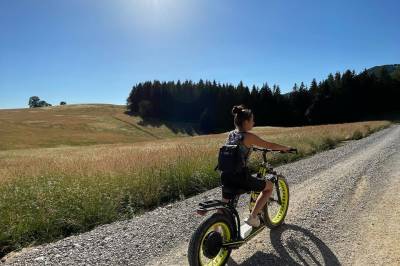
pixel 50 193
pixel 77 125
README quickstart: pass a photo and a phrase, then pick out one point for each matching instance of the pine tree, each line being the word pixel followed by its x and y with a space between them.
pixel 314 87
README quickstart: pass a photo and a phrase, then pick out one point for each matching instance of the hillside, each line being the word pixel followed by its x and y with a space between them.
pixel 76 125
pixel 391 69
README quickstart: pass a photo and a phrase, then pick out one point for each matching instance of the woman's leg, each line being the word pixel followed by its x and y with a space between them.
pixel 262 198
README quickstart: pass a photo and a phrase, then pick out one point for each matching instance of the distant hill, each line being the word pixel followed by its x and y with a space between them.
pixel 391 69
pixel 76 125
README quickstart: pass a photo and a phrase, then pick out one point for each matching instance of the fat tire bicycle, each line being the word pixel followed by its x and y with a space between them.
pixel 215 238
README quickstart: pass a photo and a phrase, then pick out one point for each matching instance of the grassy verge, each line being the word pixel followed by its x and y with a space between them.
pixel 47 194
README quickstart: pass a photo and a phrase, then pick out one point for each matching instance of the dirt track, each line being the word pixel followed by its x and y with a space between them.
pixel 344 209
pixel 346 214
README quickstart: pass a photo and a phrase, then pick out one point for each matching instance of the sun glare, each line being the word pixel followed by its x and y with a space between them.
pixel 157 15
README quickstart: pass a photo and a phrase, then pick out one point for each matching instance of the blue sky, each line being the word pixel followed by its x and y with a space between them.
pixel 94 51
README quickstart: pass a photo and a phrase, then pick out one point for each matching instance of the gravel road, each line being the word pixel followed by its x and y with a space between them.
pixel 344 210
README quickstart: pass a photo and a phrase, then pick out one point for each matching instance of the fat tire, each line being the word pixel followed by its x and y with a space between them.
pixel 267 220
pixel 197 236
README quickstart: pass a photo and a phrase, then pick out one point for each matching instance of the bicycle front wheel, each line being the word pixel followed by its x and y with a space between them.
pixel 276 209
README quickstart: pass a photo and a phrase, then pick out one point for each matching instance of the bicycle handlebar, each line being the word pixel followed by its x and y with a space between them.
pixel 292 150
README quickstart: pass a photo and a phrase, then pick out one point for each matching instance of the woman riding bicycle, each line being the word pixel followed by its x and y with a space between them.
pixel 244 122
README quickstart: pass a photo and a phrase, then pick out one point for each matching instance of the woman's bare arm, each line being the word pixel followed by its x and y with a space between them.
pixel 252 139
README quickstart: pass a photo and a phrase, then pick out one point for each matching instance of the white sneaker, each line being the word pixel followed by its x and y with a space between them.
pixel 253 221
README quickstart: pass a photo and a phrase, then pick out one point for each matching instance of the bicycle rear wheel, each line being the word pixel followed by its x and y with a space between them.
pixel 275 211
pixel 205 246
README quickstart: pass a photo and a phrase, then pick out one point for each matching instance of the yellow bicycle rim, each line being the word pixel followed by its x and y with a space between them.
pixel 283 190
pixel 225 232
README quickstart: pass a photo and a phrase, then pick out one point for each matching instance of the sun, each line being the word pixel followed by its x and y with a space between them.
pixel 152 17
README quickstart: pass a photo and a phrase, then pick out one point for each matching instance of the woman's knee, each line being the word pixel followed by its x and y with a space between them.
pixel 268 186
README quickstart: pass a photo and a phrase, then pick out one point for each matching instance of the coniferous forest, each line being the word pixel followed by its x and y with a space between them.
pixel 341 97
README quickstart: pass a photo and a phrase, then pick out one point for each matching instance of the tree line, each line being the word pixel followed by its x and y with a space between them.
pixel 341 97
pixel 35 102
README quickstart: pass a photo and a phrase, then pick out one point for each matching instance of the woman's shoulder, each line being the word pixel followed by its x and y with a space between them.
pixel 235 133
pixel 248 133
pixel 244 133
pixel 249 138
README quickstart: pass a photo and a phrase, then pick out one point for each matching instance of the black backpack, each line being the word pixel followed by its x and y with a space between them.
pixel 230 158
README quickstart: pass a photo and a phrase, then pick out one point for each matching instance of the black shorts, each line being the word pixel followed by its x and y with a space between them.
pixel 243 180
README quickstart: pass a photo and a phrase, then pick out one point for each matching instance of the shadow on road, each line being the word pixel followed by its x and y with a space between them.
pixel 300 247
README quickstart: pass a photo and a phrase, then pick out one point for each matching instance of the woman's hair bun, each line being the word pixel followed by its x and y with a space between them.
pixel 237 109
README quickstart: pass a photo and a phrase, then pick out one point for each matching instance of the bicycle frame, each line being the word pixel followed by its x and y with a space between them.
pixel 267 169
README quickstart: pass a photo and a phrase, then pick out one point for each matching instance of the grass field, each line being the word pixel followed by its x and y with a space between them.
pixel 79 125
pixel 50 193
